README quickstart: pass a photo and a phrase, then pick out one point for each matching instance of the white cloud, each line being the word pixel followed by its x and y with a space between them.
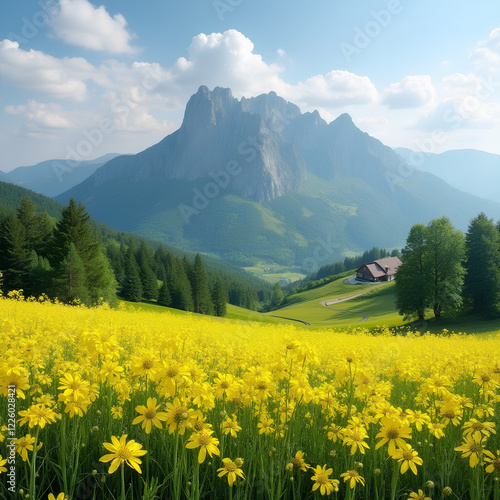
pixel 459 84
pixel 38 72
pixel 41 120
pixel 80 23
pixel 413 91
pixel 486 53
pixel 335 89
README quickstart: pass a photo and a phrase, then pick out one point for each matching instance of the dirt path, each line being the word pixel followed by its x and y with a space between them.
pixel 328 303
pixel 291 319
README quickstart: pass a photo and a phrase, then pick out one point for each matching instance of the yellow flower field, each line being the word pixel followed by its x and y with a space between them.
pixel 115 404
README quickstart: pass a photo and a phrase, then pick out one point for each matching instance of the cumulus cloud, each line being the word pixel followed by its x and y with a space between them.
pixel 41 120
pixel 334 89
pixel 459 84
pixel 80 23
pixel 38 72
pixel 486 53
pixel 413 91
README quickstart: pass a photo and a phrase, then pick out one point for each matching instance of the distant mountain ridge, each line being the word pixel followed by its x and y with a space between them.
pixel 256 180
pixel 53 177
pixel 472 171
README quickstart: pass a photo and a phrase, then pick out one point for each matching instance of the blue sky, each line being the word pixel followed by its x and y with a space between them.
pixel 79 78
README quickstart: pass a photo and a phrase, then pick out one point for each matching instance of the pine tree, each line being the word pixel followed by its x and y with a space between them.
pixel 164 297
pixel 70 284
pixel 132 286
pixel 482 280
pixel 74 228
pixel 202 301
pixel 15 254
pixel 181 292
pixel 219 298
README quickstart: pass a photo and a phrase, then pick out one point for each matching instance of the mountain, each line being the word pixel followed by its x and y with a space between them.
pixel 474 172
pixel 53 177
pixel 4 177
pixel 255 180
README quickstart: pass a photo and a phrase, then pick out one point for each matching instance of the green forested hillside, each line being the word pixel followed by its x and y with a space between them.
pixel 239 288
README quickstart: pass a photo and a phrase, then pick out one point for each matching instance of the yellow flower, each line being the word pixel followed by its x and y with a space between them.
pixel 2 463
pixel 471 449
pixel 355 439
pixel 231 469
pixel 149 415
pixel 266 426
pixel 298 461
pixel 61 496
pixel 394 433
pixel 73 386
pixel 408 457
pixel 418 496
pixel 178 417
pixel 322 480
pixel 436 429
pixel 353 477
pixel 205 442
pixel 123 452
pixel 23 445
pixel 494 462
pixel 37 415
pixel 477 430
pixel 230 426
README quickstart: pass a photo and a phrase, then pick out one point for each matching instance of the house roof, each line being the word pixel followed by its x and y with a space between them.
pixel 383 267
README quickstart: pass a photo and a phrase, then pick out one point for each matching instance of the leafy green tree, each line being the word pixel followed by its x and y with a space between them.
pixel 413 279
pixel 70 283
pixel 219 298
pixel 444 256
pixel 482 279
pixel 277 295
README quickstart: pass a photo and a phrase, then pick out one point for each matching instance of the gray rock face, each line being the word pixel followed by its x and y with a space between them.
pixel 220 133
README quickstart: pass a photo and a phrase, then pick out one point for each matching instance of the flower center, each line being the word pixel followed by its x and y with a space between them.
pixel 147 364
pixel 408 455
pixel 150 414
pixel 474 448
pixel 172 372
pixel 224 385
pixel 477 426
pixel 392 433
pixel 124 454
pixel 230 467
pixel 204 440
pixel 321 478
